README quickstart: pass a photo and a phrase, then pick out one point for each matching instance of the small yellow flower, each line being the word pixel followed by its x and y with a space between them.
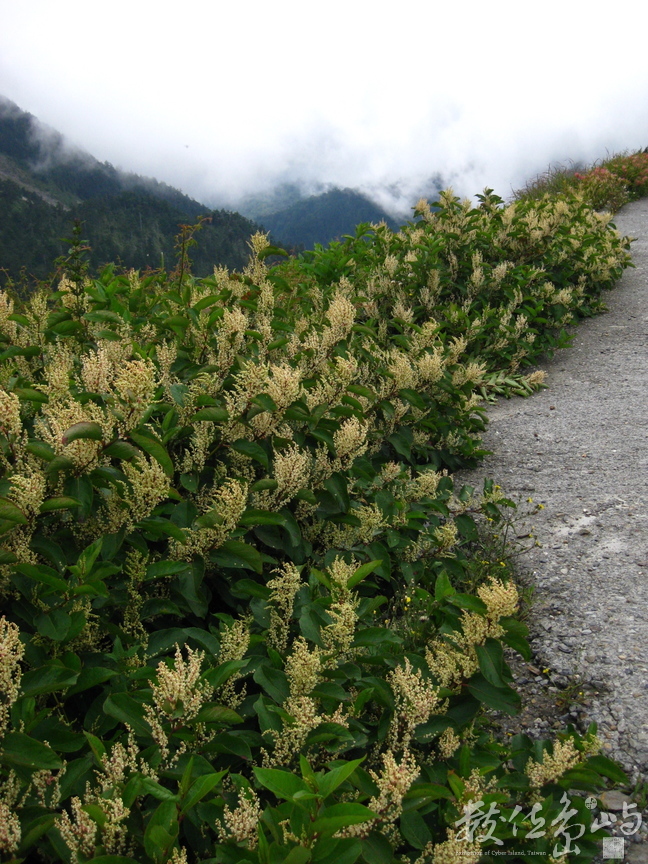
pixel 530 500
pixel 408 599
pixel 540 506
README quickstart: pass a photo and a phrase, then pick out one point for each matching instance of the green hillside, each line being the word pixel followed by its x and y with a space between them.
pixel 45 184
pixel 323 218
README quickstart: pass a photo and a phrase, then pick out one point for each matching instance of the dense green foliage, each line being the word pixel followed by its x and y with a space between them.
pixel 45 185
pixel 245 606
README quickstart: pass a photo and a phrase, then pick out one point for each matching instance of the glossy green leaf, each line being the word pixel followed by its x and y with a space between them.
pixel 83 430
pixel 11 512
pixel 201 786
pixel 500 698
pixel 22 751
pixel 283 784
pixel 234 553
pixel 156 449
pixel 49 678
pixel 211 414
pixel 253 451
pixel 336 776
pixel 124 708
pixel 62 502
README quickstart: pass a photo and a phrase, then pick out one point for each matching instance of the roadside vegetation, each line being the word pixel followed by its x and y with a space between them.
pixel 247 614
pixel 606 185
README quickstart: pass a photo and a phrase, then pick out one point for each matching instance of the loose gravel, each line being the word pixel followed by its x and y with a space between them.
pixel 580 448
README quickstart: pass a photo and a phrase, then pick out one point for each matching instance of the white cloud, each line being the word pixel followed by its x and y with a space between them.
pixel 219 98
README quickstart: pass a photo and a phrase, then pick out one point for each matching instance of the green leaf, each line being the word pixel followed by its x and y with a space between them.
pixel 234 553
pixel 330 782
pixel 500 698
pixel 212 713
pixel 205 302
pixel 156 449
pixel 29 395
pixel 429 791
pixel 518 643
pixel 208 520
pixel 491 661
pixel 297 855
pixel 270 250
pixel 291 526
pixel 443 587
pixel 22 751
pixel 414 829
pixel 214 415
pixel 124 708
pixel 40 449
pixel 91 676
pixel 159 569
pixel 377 849
pixel 273 681
pixel 17 351
pixel 85 429
pixel 59 463
pixel 201 786
pixel 607 768
pixel 339 851
pixel 262 517
pixel 337 486
pixel 161 793
pixel 283 784
pixel 33 830
pixel 362 572
pixel 339 815
pixel 250 588
pixel 260 485
pixel 413 397
pixel 54 624
pixel 81 489
pixel 61 502
pixel 9 511
pixel 253 451
pixel 48 679
pixel 121 450
pixel 158 526
pixel 44 574
pixel 7 557
pixel 218 675
pixel 190 589
pixel 376 636
pixel 161 831
pixel 469 602
pixel 265 402
pixel 96 745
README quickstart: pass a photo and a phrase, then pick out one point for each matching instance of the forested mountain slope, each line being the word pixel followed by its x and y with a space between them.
pixel 45 184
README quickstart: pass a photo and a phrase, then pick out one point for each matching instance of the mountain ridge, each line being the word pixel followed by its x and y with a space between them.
pixel 46 183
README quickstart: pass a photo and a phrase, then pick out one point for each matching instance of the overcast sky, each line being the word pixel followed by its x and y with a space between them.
pixel 225 98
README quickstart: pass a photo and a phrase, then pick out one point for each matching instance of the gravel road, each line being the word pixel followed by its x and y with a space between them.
pixel 580 448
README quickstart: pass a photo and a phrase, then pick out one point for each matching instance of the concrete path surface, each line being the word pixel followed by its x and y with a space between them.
pixel 580 448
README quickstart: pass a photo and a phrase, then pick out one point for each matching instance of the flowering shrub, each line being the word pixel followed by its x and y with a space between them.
pixel 605 186
pixel 603 189
pixel 214 494
pixel 633 170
